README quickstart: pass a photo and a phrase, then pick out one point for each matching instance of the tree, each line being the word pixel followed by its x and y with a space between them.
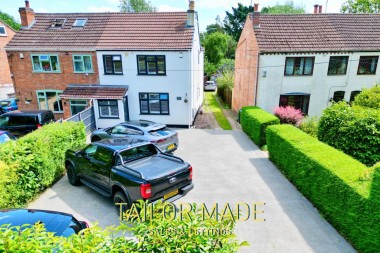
pixel 216 47
pixel 287 8
pixel 234 21
pixel 369 97
pixel 9 20
pixel 361 6
pixel 136 6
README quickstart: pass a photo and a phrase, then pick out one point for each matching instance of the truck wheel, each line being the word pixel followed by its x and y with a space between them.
pixel 72 175
pixel 120 198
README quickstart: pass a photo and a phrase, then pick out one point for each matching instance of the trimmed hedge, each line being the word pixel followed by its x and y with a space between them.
pixel 34 162
pixel 354 130
pixel 254 122
pixel 344 190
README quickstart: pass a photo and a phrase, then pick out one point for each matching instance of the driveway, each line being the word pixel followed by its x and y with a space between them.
pixel 228 168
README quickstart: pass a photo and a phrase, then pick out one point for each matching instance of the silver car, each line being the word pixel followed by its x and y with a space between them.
pixel 210 85
pixel 164 138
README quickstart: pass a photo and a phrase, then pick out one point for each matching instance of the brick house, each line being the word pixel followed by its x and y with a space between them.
pixel 127 65
pixel 305 60
pixel 6 86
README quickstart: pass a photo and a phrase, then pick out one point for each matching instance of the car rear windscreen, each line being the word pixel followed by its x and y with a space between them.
pixel 22 120
pixel 161 132
pixel 5 103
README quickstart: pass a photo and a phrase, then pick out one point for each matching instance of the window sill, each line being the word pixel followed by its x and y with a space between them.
pixel 151 75
pixel 113 74
pixel 365 74
pixel 157 114
pixel 298 75
pixel 90 72
pixel 109 118
pixel 47 72
pixel 337 74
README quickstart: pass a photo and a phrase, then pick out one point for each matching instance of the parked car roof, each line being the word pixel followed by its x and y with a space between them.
pixel 149 125
pixel 117 144
pixel 26 112
pixel 53 221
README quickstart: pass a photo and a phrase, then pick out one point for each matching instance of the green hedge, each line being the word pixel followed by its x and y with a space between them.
pixel 344 190
pixel 254 122
pixel 354 130
pixel 35 161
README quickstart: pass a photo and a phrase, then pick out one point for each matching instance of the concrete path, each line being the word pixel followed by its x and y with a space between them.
pixel 228 168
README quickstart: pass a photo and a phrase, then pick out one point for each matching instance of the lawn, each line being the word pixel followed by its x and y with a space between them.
pixel 213 105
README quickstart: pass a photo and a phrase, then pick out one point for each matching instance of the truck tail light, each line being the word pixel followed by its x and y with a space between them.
pixel 191 172
pixel 38 126
pixel 146 191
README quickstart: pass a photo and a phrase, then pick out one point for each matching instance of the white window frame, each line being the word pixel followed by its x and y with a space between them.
pixel 58 100
pixel 5 31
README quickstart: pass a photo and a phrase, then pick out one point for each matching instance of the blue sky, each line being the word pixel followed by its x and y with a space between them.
pixel 207 9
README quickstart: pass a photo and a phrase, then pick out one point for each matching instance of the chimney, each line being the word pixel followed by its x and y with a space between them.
pixel 256 16
pixel 316 8
pixel 320 9
pixel 26 15
pixel 191 14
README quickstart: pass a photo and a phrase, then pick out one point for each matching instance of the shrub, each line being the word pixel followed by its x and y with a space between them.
pixel 354 130
pixel 288 115
pixel 226 80
pixel 332 181
pixel 369 98
pixel 254 122
pixel 36 161
pixel 310 126
pixel 156 235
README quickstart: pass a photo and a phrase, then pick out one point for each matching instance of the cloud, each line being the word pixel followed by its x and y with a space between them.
pixel 101 9
pixel 167 8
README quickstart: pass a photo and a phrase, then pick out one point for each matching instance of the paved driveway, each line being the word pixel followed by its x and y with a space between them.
pixel 228 168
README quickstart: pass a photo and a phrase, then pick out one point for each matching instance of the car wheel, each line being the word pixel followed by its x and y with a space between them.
pixel 95 138
pixel 72 175
pixel 120 198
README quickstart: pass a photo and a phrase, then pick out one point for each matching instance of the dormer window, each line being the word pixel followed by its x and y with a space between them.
pixel 58 23
pixel 80 22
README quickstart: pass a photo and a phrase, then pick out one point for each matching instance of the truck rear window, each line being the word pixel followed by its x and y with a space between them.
pixel 138 152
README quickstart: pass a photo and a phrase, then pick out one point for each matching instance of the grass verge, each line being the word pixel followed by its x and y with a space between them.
pixel 210 101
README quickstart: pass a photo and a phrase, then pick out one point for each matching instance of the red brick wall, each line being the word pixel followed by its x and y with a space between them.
pixel 26 82
pixel 246 64
pixel 5 74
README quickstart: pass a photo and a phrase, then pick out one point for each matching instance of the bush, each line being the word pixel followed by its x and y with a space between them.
pixel 156 235
pixel 254 122
pixel 310 126
pixel 288 115
pixel 332 181
pixel 369 98
pixel 354 130
pixel 36 161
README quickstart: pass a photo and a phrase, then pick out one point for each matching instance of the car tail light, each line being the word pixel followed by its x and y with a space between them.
pixel 38 126
pixel 158 141
pixel 191 172
pixel 146 191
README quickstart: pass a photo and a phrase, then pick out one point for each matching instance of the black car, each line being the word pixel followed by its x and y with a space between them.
pixel 62 224
pixel 23 122
pixel 129 170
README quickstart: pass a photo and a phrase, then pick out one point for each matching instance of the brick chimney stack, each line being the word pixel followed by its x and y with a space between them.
pixel 256 16
pixel 26 15
pixel 191 14
pixel 316 8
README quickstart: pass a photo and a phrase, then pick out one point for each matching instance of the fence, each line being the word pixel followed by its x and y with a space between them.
pixel 87 117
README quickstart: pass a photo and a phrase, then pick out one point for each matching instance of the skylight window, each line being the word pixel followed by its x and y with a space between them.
pixel 58 23
pixel 80 22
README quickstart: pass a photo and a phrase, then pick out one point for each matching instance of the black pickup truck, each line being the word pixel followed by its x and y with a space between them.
pixel 129 170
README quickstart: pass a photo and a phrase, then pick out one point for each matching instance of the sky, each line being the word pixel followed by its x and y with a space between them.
pixel 207 10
